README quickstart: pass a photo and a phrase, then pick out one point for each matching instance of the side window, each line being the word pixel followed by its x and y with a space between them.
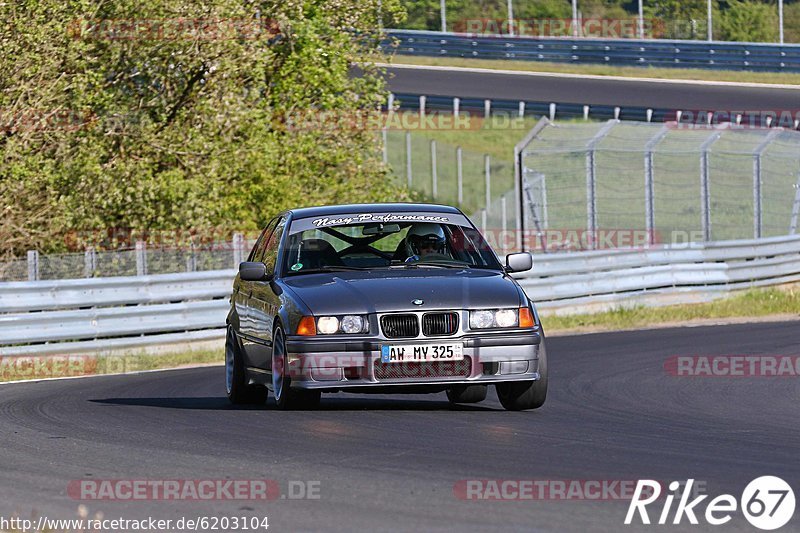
pixel 270 254
pixel 261 243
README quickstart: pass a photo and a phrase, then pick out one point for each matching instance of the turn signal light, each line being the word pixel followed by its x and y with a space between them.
pixel 307 326
pixel 525 317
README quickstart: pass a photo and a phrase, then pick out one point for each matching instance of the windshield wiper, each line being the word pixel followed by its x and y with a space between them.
pixel 439 264
pixel 332 268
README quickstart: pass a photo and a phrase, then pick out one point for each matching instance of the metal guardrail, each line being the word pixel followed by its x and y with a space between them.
pixel 618 52
pixel 74 316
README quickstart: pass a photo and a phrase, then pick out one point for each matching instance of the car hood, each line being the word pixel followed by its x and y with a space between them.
pixel 389 291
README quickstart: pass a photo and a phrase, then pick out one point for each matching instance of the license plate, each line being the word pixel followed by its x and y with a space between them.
pixel 404 353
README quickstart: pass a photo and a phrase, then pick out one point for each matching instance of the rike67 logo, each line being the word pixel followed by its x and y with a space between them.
pixel 767 503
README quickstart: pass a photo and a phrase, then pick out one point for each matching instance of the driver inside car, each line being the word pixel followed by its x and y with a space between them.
pixel 425 241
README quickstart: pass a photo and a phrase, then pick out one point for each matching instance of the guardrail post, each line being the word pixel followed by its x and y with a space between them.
pixel 408 159
pixel 238 249
pixel 434 174
pixel 141 258
pixel 552 112
pixel 89 262
pixel 586 112
pixel 422 100
pixel 487 170
pixel 522 110
pixel 460 175
pixel 456 106
pixel 484 221
pixel 390 105
pixel 33 265
pixel 487 109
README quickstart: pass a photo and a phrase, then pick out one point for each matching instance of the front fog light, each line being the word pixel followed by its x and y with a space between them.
pixel 352 324
pixel 481 319
pixel 328 325
pixel 506 318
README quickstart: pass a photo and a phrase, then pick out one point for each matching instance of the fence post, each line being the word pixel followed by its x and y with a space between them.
pixel 141 258
pixel 238 249
pixel 758 216
pixel 591 181
pixel 408 159
pixel 191 260
pixel 649 185
pixel 705 191
pixel 503 223
pixel 434 176
pixel 484 221
pixel 385 136
pixel 89 262
pixel 459 176
pixel 33 265
pixel 487 170
pixel 795 208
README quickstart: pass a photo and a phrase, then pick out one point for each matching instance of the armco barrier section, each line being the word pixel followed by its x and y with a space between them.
pixel 75 316
pixel 619 52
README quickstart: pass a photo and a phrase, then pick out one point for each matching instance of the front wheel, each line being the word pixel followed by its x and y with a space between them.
pixel 285 396
pixel 236 385
pixel 522 395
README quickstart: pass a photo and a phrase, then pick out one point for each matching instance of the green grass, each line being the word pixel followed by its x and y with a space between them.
pixel 750 304
pixel 603 70
pixel 59 366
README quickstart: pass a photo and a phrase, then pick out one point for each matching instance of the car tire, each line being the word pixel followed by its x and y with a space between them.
pixel 467 393
pixel 522 395
pixel 286 397
pixel 236 385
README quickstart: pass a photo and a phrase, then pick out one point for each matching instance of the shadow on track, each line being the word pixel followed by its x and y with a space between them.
pixel 221 403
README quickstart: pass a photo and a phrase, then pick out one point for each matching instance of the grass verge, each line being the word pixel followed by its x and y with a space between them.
pixel 755 303
pixel 72 365
pixel 735 76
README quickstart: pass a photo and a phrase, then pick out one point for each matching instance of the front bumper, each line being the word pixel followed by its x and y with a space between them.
pixel 340 364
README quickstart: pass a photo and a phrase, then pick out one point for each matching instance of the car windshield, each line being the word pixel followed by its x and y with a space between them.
pixel 379 245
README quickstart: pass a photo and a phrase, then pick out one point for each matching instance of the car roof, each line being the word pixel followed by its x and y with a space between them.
pixel 306 212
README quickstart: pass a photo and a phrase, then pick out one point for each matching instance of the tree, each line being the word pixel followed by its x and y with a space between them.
pixel 749 21
pixel 167 114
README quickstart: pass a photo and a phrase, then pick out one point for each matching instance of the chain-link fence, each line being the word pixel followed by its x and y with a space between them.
pixel 663 184
pixel 137 261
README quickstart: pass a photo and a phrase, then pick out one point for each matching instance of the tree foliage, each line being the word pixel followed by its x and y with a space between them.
pixel 167 114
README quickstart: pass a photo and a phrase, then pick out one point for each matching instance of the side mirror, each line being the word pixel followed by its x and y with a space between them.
pixel 521 262
pixel 254 271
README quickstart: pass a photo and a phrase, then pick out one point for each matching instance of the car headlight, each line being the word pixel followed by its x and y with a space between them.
pixel 352 324
pixel 329 325
pixel 501 318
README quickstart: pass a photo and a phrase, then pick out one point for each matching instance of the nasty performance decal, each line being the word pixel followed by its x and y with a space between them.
pixel 377 217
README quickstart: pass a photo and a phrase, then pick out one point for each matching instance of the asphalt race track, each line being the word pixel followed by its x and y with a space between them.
pixel 614 92
pixel 391 463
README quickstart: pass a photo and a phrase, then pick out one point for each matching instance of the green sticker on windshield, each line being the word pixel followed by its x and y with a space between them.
pixel 297 266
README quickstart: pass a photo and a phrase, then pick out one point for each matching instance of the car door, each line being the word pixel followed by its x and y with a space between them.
pixel 264 302
pixel 242 297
